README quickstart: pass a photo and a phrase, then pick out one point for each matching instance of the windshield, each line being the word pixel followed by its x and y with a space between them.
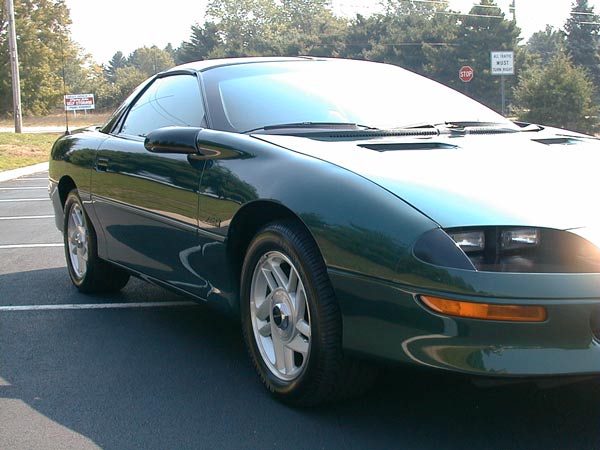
pixel 251 96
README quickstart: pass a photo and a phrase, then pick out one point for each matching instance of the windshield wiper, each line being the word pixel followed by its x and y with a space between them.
pixel 313 125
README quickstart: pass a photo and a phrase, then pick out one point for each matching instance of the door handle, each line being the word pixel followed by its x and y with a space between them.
pixel 102 164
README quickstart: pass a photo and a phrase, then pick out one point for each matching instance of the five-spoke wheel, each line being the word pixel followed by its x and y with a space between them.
pixel 280 315
pixel 292 321
pixel 77 241
pixel 88 272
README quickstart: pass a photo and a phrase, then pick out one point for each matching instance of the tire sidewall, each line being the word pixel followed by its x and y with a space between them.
pixel 72 200
pixel 267 241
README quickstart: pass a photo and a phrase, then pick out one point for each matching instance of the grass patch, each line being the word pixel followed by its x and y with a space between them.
pixel 58 120
pixel 20 150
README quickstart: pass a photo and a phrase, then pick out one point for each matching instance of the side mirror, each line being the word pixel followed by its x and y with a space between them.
pixel 183 140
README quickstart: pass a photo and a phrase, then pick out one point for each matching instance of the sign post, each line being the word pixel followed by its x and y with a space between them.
pixel 502 63
pixel 466 74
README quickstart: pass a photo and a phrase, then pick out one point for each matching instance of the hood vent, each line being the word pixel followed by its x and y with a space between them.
pixel 397 146
pixel 558 141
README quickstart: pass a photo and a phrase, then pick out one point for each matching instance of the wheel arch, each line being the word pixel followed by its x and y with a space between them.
pixel 88 272
pixel 246 224
pixel 59 191
pixel 329 375
pixel 65 185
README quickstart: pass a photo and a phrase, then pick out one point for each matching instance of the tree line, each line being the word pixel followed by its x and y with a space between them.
pixel 557 71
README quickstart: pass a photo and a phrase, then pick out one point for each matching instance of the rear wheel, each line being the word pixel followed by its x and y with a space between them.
pixel 291 320
pixel 88 272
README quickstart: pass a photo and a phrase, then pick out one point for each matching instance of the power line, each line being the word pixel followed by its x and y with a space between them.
pixel 448 13
pixel 439 2
pixel 451 13
pixel 477 5
pixel 403 44
pixel 584 13
pixel 372 8
pixel 383 44
pixel 447 3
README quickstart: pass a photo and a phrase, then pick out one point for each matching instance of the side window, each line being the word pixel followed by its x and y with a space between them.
pixel 169 101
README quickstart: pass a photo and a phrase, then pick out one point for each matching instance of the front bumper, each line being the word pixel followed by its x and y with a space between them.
pixel 387 321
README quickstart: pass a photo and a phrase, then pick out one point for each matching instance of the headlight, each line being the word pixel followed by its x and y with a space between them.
pixel 512 249
pixel 520 239
pixel 469 241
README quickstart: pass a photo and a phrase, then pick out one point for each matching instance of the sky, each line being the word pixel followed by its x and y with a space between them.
pixel 104 27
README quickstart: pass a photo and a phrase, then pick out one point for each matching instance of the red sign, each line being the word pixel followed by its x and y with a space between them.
pixel 465 73
pixel 75 102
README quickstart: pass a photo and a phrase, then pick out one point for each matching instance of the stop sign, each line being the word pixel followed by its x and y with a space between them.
pixel 465 73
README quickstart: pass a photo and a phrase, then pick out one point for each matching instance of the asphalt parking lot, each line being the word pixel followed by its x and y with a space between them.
pixel 145 369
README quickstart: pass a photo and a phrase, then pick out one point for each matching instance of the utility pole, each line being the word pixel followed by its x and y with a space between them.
pixel 513 10
pixel 14 66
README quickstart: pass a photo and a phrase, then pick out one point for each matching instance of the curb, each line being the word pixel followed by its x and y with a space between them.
pixel 16 173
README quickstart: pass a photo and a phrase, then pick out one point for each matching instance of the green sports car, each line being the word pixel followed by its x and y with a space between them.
pixel 346 212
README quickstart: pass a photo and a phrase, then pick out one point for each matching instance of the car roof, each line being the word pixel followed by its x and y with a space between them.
pixel 201 66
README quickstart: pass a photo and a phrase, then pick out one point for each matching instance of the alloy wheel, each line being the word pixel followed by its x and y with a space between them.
pixel 280 316
pixel 77 239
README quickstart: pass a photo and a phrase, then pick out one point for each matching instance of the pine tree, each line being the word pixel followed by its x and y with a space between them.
pixel 203 41
pixel 118 61
pixel 546 44
pixel 583 29
pixel 558 94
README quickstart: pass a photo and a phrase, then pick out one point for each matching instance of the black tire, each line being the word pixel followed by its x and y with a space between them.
pixel 315 376
pixel 88 272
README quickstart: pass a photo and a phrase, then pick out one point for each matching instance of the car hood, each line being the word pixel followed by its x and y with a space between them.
pixel 477 180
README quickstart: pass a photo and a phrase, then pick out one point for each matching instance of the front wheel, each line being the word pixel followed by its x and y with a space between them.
pixel 88 272
pixel 292 322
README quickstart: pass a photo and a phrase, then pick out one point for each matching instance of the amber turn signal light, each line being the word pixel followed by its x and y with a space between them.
pixel 485 311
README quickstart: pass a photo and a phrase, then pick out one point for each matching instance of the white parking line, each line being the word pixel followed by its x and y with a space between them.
pixel 25 217
pixel 26 188
pixel 13 200
pixel 10 246
pixel 95 306
pixel 28 178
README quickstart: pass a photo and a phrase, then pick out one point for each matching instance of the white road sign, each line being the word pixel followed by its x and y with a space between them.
pixel 503 63
pixel 76 102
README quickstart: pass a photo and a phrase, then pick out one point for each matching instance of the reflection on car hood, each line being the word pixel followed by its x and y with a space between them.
pixel 503 179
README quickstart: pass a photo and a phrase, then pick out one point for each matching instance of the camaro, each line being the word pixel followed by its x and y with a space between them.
pixel 346 211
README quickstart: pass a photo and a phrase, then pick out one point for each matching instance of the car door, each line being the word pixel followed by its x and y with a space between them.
pixel 147 203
